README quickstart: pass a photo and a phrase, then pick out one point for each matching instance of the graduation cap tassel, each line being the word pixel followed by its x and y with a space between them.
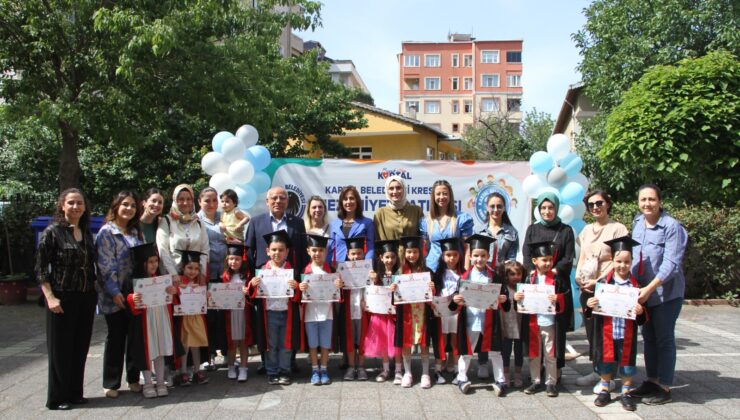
pixel 640 268
pixel 495 255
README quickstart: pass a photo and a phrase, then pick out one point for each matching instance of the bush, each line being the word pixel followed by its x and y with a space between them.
pixel 711 259
pixel 17 241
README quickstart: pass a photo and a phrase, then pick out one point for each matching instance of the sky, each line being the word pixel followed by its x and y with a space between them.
pixel 370 33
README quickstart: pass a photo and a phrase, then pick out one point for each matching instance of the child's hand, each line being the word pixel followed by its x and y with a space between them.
pixel 552 298
pixel 208 295
pixel 373 276
pixel 502 298
pixel 303 287
pixel 255 282
pixel 245 290
pixel 519 296
pixel 222 227
pixel 339 283
pixel 431 287
pixel 459 299
pixel 170 290
pixel 176 280
pixel 137 299
pixel 292 284
pixel 639 309
pixel 592 302
pixel 394 287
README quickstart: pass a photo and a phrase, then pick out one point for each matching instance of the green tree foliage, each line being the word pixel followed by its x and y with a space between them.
pixel 679 126
pixel 497 138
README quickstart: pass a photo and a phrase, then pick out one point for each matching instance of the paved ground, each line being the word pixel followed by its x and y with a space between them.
pixel 707 384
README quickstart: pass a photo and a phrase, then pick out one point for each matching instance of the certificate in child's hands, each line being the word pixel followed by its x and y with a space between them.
pixel 226 296
pixel 378 300
pixel 153 291
pixel 355 274
pixel 616 301
pixel 441 306
pixel 274 283
pixel 192 301
pixel 412 288
pixel 480 295
pixel 321 288
pixel 536 300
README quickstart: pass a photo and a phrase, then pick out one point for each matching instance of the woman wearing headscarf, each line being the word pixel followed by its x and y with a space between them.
pixel 551 229
pixel 399 217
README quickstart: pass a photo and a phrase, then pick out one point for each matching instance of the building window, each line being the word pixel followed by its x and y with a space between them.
pixel 514 104
pixel 411 83
pixel 412 107
pixel 361 152
pixel 430 153
pixel 455 60
pixel 411 61
pixel 455 83
pixel 431 83
pixel 489 57
pixel 441 155
pixel 455 128
pixel 455 107
pixel 468 83
pixel 489 105
pixel 431 107
pixel 489 80
pixel 467 60
pixel 467 106
pixel 513 56
pixel 431 60
pixel 514 80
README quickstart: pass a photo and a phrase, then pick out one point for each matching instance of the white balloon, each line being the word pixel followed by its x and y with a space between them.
pixel 558 145
pixel 531 185
pixel 581 179
pixel 579 210
pixel 248 135
pixel 241 171
pixel 566 213
pixel 233 149
pixel 213 163
pixel 222 182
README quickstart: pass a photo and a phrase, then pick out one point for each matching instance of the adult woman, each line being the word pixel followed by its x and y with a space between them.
pixel 500 227
pixel 114 239
pixel 595 258
pixel 315 217
pixel 659 272
pixel 151 209
pixel 181 230
pixel 65 270
pixel 350 223
pixel 443 222
pixel 398 217
pixel 551 229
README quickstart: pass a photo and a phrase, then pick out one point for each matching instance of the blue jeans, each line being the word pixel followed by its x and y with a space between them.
pixel 659 337
pixel 609 368
pixel 277 357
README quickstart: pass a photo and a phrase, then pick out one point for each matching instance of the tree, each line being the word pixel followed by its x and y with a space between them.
pixel 495 137
pixel 679 126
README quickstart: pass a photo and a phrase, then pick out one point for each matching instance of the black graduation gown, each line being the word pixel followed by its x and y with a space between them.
pixel 294 334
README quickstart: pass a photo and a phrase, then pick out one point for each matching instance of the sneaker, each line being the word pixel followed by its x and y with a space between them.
pixel 440 379
pixel 407 380
pixel 628 402
pixel 325 379
pixel 361 374
pixel 350 374
pixel 232 372
pixel 162 391
pixel 533 389
pixel 659 398
pixel 598 388
pixel 397 378
pixel 199 378
pixel 382 376
pixel 315 377
pixel 455 381
pixel 499 389
pixel 588 380
pixel 134 387
pixel 646 389
pixel 207 366
pixel 518 383
pixel 182 380
pixel 242 374
pixel 552 391
pixel 284 380
pixel 426 382
pixel 483 371
pixel 169 379
pixel 148 391
pixel 464 386
pixel 111 393
pixel 273 380
pixel 603 399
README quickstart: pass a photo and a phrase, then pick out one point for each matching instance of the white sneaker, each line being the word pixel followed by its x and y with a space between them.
pixel 232 372
pixel 242 374
pixel 148 391
pixel 407 380
pixel 597 387
pixel 440 379
pixel 588 380
pixel 483 371
pixel 397 378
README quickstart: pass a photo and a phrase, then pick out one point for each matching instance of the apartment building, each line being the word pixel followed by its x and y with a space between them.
pixel 451 85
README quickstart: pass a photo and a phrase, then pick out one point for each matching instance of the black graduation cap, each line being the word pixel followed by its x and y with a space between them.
pixel 412 242
pixel 624 243
pixel 541 249
pixel 479 241
pixel 235 249
pixel 387 246
pixel 317 241
pixel 141 253
pixel 450 244
pixel 358 242
pixel 278 236
pixel 189 256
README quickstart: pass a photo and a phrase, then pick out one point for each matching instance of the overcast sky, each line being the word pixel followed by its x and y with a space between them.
pixel 370 34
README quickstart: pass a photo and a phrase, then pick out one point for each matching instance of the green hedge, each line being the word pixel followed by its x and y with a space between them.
pixel 711 259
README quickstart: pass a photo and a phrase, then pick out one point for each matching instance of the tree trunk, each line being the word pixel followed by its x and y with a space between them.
pixel 69 164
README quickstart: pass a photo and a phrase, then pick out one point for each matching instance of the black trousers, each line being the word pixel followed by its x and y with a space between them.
pixel 67 342
pixel 115 350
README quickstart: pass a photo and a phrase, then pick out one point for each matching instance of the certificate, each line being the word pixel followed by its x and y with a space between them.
pixel 192 301
pixel 153 291
pixel 412 288
pixel 378 300
pixel 616 301
pixel 480 295
pixel 274 283
pixel 321 288
pixel 226 296
pixel 356 274
pixel 536 299
pixel 441 306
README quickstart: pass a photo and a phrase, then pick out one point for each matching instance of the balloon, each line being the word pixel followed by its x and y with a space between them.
pixel 558 145
pixel 241 171
pixel 218 140
pixel 577 225
pixel 565 160
pixel 213 163
pixel 261 182
pixel 540 162
pixel 566 213
pixel 574 166
pixel 572 193
pixel 233 149
pixel 222 182
pixel 531 185
pixel 248 135
pixel 556 177
pixel 582 180
pixel 247 196
pixel 259 156
pixel 578 210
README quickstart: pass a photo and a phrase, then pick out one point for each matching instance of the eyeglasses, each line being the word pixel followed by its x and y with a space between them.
pixel 595 204
pixel 278 198
pixel 496 207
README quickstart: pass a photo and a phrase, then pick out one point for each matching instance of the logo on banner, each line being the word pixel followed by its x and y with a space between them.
pixel 482 190
pixel 385 173
pixel 296 200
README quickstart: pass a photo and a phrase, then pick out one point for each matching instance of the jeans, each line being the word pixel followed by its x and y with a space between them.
pixel 609 368
pixel 277 356
pixel 659 338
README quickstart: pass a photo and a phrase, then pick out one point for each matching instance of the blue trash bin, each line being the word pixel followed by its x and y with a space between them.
pixel 38 224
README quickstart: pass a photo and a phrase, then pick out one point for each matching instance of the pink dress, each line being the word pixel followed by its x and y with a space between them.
pixel 380 332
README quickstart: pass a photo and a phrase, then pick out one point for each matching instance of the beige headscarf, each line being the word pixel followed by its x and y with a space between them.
pixel 175 212
pixel 402 202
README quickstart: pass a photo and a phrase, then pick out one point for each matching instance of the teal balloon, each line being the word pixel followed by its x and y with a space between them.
pixel 572 193
pixel 261 182
pixel 577 225
pixel 259 156
pixel 574 167
pixel 540 162
pixel 219 139
pixel 247 196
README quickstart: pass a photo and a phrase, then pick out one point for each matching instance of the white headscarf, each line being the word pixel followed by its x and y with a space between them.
pixel 402 202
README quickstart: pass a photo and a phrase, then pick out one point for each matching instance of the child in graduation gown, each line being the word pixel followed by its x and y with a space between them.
pixel 352 321
pixel 238 322
pixel 446 283
pixel 190 330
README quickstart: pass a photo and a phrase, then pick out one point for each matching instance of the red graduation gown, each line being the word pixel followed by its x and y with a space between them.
pixel 530 331
pixel 248 330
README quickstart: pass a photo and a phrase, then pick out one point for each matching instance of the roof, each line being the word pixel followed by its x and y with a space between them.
pixel 399 117
pixel 566 110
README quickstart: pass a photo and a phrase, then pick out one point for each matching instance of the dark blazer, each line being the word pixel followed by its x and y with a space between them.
pixel 256 245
